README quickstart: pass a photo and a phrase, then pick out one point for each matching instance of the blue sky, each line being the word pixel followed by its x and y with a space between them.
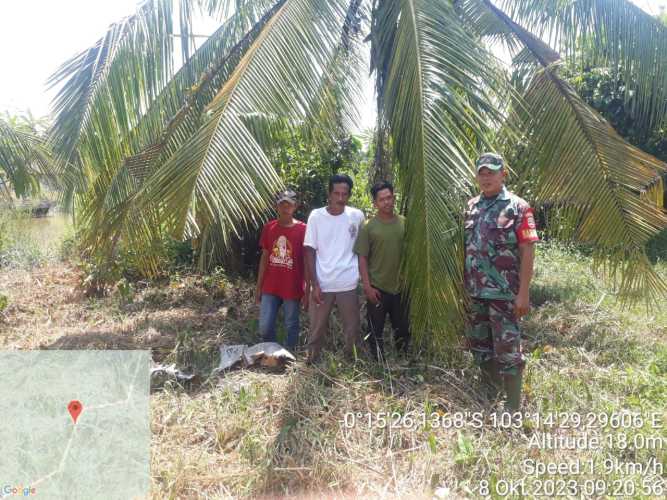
pixel 36 36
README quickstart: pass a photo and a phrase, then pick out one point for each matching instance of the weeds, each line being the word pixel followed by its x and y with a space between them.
pixel 656 248
pixel 316 431
pixel 4 302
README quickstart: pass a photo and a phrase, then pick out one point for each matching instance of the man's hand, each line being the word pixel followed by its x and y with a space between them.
pixel 304 301
pixel 526 258
pixel 258 295
pixel 317 294
pixel 373 294
pixel 521 305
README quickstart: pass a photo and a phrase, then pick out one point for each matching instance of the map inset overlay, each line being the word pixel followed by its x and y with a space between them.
pixel 105 454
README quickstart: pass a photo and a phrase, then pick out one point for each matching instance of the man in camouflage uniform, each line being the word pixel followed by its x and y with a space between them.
pixel 499 241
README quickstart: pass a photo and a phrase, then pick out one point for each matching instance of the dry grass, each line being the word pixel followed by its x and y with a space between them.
pixel 252 433
pixel 262 434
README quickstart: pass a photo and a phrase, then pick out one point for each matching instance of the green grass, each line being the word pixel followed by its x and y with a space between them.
pixel 289 434
pixel 253 433
pixel 306 432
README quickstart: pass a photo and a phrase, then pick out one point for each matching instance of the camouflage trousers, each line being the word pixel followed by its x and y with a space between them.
pixel 493 332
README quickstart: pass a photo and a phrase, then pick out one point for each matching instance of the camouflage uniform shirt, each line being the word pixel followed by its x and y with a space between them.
pixel 494 228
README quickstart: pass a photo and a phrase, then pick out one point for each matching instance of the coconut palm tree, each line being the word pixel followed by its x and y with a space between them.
pixel 24 156
pixel 151 151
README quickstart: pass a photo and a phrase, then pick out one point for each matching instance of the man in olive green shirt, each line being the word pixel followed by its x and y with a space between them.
pixel 379 247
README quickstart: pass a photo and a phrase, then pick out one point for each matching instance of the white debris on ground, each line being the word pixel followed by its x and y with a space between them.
pixel 230 355
pixel 170 371
pixel 269 354
pixel 266 354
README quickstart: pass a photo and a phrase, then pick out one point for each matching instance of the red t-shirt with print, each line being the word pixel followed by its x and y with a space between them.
pixel 284 270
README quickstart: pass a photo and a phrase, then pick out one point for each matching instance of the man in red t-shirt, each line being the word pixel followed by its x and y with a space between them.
pixel 281 272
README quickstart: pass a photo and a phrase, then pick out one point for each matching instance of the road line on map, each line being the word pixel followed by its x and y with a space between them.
pixel 71 438
pixel 61 465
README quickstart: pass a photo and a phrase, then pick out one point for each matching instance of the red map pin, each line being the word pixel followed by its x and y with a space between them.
pixel 74 408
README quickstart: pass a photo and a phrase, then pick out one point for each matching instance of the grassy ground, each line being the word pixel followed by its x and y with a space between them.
pixel 306 432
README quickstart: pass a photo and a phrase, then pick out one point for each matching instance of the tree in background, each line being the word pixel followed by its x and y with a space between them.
pixel 25 159
pixel 304 165
pixel 603 88
pixel 152 152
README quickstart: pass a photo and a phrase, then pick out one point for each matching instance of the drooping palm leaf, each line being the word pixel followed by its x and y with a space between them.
pixel 155 137
pixel 613 33
pixel 436 90
pixel 221 175
pixel 142 45
pixel 598 176
pixel 171 119
pixel 594 174
pixel 654 192
pixel 335 108
pixel 281 73
pixel 490 22
pixel 197 82
pixel 24 160
pixel 125 74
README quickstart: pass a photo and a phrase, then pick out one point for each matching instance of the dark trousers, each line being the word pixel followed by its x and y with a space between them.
pixel 397 308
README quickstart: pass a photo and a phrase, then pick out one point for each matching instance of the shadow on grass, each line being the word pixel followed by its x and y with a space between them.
pixel 190 339
pixel 320 453
pixel 161 298
pixel 296 460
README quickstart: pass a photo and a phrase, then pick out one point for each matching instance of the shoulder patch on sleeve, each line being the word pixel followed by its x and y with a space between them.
pixel 527 231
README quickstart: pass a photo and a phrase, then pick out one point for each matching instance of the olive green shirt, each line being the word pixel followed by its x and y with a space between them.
pixel 382 242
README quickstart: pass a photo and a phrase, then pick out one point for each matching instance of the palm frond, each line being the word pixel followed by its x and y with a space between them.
pixel 210 180
pixel 186 35
pixel 612 33
pixel 175 115
pixel 598 176
pixel 25 160
pixel 282 71
pixel 654 191
pixel 140 45
pixel 172 118
pixel 199 79
pixel 334 111
pixel 590 171
pixel 489 21
pixel 436 83
pixel 125 83
pixel 221 176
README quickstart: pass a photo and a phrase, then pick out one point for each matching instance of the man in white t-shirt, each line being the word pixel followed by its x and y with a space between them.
pixel 332 266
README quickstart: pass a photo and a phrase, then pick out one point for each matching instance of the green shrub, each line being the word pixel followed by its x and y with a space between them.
pixel 68 247
pixel 178 254
pixel 124 291
pixel 656 248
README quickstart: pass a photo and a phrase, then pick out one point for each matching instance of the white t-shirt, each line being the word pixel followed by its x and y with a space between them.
pixel 332 237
